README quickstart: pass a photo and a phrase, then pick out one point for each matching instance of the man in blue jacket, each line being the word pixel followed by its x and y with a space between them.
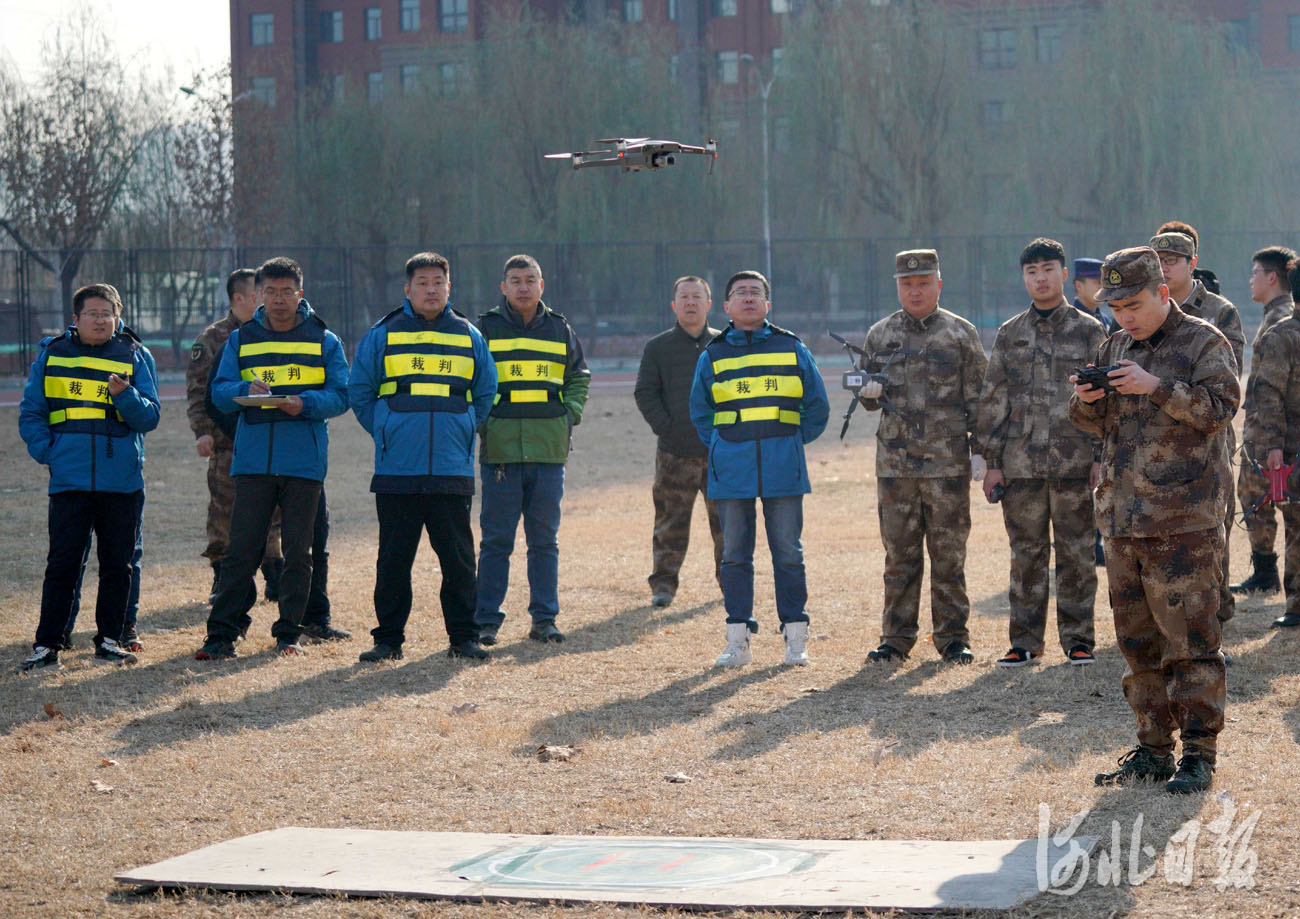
pixel 757 398
pixel 281 449
pixel 91 396
pixel 422 383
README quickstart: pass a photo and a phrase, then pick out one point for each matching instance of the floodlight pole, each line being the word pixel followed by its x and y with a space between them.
pixel 763 89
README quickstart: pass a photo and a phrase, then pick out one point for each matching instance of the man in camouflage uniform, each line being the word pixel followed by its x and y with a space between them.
pixel 1044 463
pixel 925 449
pixel 663 394
pixel 1177 244
pixel 1270 286
pixel 1164 481
pixel 1273 429
pixel 215 444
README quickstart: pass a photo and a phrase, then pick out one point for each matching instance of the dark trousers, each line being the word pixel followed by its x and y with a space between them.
pixel 402 518
pixel 133 596
pixel 256 498
pixel 113 519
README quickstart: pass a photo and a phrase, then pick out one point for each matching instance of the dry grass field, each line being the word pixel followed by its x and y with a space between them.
pixel 202 753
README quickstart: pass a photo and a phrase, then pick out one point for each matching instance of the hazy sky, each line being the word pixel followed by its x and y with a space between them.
pixel 185 33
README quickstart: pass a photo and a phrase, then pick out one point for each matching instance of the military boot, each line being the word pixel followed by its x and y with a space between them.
pixel 1195 773
pixel 1139 765
pixel 1263 578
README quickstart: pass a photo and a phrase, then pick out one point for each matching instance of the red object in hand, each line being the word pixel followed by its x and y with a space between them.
pixel 1277 483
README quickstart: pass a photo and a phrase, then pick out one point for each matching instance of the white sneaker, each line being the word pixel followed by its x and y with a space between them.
pixel 737 653
pixel 796 643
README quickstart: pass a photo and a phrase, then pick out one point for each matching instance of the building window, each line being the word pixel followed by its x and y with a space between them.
pixel 331 27
pixel 261 28
pixel 451 77
pixel 262 89
pixel 410 74
pixel 1238 34
pixel 727 66
pixel 996 115
pixel 375 86
pixel 780 6
pixel 1048 40
pixel 672 9
pixel 410 16
pixel 453 15
pixel 724 7
pixel 674 66
pixel 997 49
pixel 778 53
pixel 374 24
pixel 633 11
pixel 334 86
pixel 1293 28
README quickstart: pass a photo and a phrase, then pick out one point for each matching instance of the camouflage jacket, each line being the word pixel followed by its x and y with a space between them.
pixel 1275 311
pixel 204 354
pixel 927 427
pixel 1165 467
pixel 1274 421
pixel 1024 424
pixel 1220 313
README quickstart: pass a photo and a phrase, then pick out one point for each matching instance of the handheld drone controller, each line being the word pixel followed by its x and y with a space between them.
pixel 1097 377
pixel 996 493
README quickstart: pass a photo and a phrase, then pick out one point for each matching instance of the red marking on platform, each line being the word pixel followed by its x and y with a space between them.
pixel 601 861
pixel 677 864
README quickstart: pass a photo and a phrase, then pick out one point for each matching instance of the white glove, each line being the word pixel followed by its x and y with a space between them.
pixel 978 468
pixel 872 390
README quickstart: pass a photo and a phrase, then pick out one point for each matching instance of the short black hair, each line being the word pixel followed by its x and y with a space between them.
pixel 692 279
pixel 748 275
pixel 280 267
pixel 427 260
pixel 1293 275
pixel 1275 259
pixel 521 261
pixel 102 291
pixel 1178 226
pixel 1042 249
pixel 237 279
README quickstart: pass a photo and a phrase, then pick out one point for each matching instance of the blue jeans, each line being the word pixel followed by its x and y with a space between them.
pixel 783 520
pixel 533 491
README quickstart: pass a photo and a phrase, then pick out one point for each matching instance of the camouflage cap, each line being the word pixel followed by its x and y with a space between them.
pixel 1177 243
pixel 916 261
pixel 1125 273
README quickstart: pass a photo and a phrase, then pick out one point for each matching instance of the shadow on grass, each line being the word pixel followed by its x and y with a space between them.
pixel 623 628
pixel 331 690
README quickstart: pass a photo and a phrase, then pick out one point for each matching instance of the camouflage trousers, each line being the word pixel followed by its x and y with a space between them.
pixel 1164 592
pixel 1030 509
pixel 1227 602
pixel 221 499
pixel 935 512
pixel 1261 526
pixel 1291 571
pixel 678 479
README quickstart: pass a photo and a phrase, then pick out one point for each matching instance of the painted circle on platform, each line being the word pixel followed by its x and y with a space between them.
pixel 624 864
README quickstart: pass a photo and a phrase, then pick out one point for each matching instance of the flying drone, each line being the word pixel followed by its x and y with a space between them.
pixel 637 153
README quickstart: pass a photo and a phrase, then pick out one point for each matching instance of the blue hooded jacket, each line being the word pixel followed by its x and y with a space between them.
pixel 90 461
pixel 768 467
pixel 421 452
pixel 288 446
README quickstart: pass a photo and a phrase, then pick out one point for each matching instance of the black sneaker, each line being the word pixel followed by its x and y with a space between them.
pixel 1018 657
pixel 487 634
pixel 288 648
pixel 957 653
pixel 544 632
pixel 111 652
pixel 41 658
pixel 216 649
pixel 1138 765
pixel 382 652
pixel 316 632
pixel 886 654
pixel 131 640
pixel 468 649
pixel 1289 621
pixel 1195 773
pixel 1080 656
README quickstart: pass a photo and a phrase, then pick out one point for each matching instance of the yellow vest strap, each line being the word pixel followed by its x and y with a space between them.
pixel 430 338
pixel 528 344
pixel 758 387
pixel 777 359
pixel 91 363
pixel 764 413
pixel 280 347
pixel 443 365
pixel 285 375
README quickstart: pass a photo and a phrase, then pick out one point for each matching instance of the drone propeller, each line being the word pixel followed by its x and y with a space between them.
pixel 558 156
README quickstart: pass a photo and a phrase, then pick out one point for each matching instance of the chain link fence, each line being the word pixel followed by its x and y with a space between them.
pixel 615 293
